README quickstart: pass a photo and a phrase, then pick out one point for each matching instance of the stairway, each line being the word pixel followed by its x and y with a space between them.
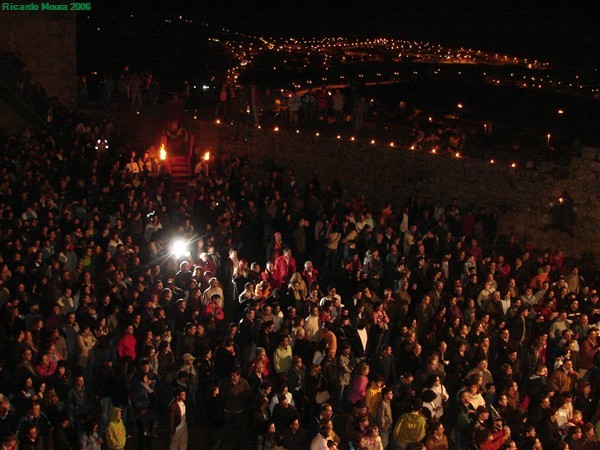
pixel 24 110
pixel 180 168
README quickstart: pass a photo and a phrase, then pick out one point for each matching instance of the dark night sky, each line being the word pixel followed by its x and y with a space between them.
pixel 564 32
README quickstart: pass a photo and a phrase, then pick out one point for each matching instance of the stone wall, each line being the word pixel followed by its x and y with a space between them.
pixel 521 196
pixel 46 42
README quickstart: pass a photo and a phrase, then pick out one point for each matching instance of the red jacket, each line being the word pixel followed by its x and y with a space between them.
pixel 285 269
pixel 126 347
pixel 212 311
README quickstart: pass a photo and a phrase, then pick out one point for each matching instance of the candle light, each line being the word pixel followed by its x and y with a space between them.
pixel 206 158
pixel 162 153
pixel 548 136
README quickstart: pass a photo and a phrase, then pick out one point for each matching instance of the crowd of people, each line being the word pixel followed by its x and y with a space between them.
pixel 273 312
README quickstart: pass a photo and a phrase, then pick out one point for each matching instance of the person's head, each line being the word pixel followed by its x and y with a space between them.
pixel 326 411
pixel 567 364
pixel 502 400
pixel 78 381
pixel 438 429
pixel 9 441
pixel 588 430
pixel 115 414
pixel 416 405
pixel 27 354
pixel 62 421
pixel 574 433
pixel 30 432
pixel 482 413
pixel 34 409
pixel 236 374
pixel 180 394
pixel 326 430
pixel 284 342
pixel 294 424
pixel 387 393
pixel 297 361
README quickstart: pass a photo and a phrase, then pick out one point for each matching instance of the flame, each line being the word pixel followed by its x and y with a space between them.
pixel 162 153
pixel 206 156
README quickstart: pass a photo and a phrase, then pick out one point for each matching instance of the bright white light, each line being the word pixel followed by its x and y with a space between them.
pixel 179 248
